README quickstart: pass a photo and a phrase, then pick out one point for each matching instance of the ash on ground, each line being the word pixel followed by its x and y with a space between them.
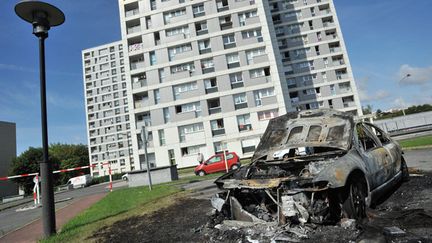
pixel 405 216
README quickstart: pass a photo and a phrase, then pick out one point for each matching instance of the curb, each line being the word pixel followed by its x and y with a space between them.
pixel 417 148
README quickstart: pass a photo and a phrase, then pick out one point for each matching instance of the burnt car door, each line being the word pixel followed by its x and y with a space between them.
pixel 375 156
pixel 394 152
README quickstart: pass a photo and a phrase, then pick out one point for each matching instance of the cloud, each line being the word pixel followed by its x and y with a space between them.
pixel 367 96
pixel 409 75
pixel 65 101
pixel 12 67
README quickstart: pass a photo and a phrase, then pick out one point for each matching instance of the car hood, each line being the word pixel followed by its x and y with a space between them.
pixel 318 128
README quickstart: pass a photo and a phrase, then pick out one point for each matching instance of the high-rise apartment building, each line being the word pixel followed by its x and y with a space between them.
pixel 106 99
pixel 204 75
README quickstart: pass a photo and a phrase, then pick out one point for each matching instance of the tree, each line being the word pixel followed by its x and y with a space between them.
pixel 62 156
pixel 70 156
pixel 367 110
pixel 28 162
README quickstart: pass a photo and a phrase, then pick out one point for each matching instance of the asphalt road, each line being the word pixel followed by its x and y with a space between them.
pixel 419 158
pixel 11 219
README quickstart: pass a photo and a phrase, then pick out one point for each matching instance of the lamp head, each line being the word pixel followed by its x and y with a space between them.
pixel 41 15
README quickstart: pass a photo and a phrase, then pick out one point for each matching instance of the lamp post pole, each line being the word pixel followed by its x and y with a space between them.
pixel 403 105
pixel 43 16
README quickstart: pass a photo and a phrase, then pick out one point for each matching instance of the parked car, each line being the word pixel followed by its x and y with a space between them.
pixel 216 163
pixel 347 166
pixel 125 177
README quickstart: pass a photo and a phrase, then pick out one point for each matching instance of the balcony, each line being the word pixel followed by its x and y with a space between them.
pixel 136 47
pixel 217 132
pixel 226 25
pixel 349 104
pixel 334 49
pixel 222 8
pixel 214 110
pixel 186 115
pixel 211 90
pixel 241 105
pixel 137 65
pixel 133 29
pixel 245 127
pixel 139 83
pixel 131 12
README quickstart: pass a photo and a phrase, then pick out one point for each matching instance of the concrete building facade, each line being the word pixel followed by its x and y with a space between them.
pixel 205 75
pixel 7 153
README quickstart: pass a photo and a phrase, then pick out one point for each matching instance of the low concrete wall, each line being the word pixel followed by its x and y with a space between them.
pixel 158 175
pixel 405 122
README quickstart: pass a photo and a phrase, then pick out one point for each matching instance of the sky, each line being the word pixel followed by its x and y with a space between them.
pixel 386 40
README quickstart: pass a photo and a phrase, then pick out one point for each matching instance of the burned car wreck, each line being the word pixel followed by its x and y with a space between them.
pixel 312 166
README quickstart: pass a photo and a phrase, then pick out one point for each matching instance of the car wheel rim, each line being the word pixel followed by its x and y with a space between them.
pixel 358 200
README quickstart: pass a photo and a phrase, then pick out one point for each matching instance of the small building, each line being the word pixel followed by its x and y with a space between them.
pixel 7 153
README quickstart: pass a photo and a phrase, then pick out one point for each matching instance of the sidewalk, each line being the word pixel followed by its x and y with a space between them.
pixel 34 230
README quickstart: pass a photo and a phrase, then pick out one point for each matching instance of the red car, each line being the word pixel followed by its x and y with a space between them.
pixel 216 163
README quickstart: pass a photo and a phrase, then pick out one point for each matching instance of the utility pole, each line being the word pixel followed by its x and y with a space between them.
pixel 144 138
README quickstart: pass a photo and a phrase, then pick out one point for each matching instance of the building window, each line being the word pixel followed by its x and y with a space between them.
pixel 266 115
pixel 259 72
pixel 198 10
pixel 161 134
pixel 201 28
pixel 161 72
pixel 204 46
pixel 244 123
pixel 153 60
pixel 217 127
pixel 183 67
pixel 254 53
pixel 236 80
pixel 167 115
pixel 177 31
pixel 259 94
pixel 240 101
pixel 181 88
pixel 248 145
pixel 189 129
pixel 233 60
pixel 222 5
pixel 229 41
pixel 190 107
pixel 207 65
pixel 245 15
pixel 251 33
pixel 178 50
pixel 157 97
pixel 210 85
pixel 172 14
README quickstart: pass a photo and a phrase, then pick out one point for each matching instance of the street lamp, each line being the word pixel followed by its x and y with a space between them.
pixel 403 105
pixel 43 16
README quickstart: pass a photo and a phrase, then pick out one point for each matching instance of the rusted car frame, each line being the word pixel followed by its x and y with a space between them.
pixel 334 167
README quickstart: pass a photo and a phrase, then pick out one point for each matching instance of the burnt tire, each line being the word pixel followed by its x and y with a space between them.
pixel 235 167
pixel 201 173
pixel 354 205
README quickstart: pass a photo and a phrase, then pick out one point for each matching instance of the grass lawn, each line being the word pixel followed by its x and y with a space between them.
pixel 416 142
pixel 116 205
pixel 121 204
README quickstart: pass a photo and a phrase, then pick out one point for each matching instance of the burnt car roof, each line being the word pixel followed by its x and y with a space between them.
pixel 317 128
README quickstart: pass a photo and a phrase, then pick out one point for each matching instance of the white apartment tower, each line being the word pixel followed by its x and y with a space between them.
pixel 203 75
pixel 106 100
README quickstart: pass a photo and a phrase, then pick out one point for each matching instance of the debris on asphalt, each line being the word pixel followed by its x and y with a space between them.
pixel 393 231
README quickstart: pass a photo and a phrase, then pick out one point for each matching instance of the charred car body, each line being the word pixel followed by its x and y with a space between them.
pixel 312 166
